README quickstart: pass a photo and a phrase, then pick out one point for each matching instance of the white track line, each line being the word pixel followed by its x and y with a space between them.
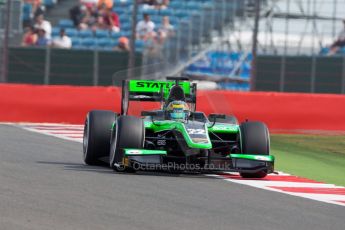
pixel 66 135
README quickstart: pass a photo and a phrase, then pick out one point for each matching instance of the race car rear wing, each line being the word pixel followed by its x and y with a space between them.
pixel 155 91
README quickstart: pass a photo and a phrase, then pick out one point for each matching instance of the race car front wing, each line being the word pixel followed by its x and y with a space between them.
pixel 143 159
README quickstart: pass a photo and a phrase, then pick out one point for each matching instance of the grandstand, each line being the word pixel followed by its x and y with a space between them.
pixel 197 24
pixel 179 12
pixel 212 40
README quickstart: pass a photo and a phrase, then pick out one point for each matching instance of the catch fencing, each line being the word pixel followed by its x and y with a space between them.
pixel 66 67
pixel 316 74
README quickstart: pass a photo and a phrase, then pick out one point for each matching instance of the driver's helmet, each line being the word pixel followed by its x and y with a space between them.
pixel 178 110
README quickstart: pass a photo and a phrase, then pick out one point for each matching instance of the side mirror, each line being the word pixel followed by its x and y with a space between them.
pixel 149 113
pixel 215 116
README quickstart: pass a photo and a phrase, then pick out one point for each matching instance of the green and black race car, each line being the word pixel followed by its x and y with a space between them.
pixel 176 137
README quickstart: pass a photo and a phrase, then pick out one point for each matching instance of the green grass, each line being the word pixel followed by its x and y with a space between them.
pixel 317 157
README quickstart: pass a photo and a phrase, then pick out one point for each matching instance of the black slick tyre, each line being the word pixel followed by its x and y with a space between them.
pixel 129 133
pixel 96 138
pixel 255 140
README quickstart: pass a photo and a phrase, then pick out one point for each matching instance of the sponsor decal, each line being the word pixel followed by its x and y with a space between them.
pixel 141 96
pixel 154 85
pixel 200 140
pixel 196 131
pixel 261 158
pixel 147 124
pixel 134 152
pixel 223 127
pixel 161 142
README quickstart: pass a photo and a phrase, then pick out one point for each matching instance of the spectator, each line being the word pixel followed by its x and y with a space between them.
pixel 89 17
pixel 100 24
pixel 111 19
pixel 153 48
pixel 76 13
pixel 45 25
pixel 155 4
pixel 123 45
pixel 149 4
pixel 37 8
pixel 145 27
pixel 339 43
pixel 152 41
pixel 30 37
pixel 90 3
pixel 105 3
pixel 42 39
pixel 162 4
pixel 63 41
pixel 166 30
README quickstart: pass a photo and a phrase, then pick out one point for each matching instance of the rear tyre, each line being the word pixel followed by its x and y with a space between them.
pixel 255 140
pixel 129 133
pixel 96 139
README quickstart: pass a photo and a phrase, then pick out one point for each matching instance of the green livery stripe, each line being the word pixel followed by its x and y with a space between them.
pixel 147 86
pixel 129 152
pixel 268 158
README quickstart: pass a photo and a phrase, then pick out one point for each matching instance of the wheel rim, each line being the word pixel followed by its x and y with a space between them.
pixel 120 168
pixel 85 138
pixel 113 148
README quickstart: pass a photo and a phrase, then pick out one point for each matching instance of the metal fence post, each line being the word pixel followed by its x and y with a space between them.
pixel 95 67
pixel 47 66
pixel 343 80
pixel 313 72
pixel 283 64
pixel 177 54
pixel 132 56
pixel 4 69
pixel 190 45
pixel 255 45
pixel 282 74
pixel 334 20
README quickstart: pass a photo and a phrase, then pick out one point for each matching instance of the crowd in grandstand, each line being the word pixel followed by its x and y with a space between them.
pixel 87 15
pixel 339 43
pixel 37 7
pixel 97 15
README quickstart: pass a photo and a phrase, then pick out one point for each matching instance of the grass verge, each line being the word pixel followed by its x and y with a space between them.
pixel 317 157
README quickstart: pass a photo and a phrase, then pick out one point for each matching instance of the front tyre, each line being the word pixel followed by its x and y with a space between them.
pixel 129 133
pixel 255 140
pixel 96 138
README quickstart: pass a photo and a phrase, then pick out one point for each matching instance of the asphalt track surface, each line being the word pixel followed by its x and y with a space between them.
pixel 45 185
